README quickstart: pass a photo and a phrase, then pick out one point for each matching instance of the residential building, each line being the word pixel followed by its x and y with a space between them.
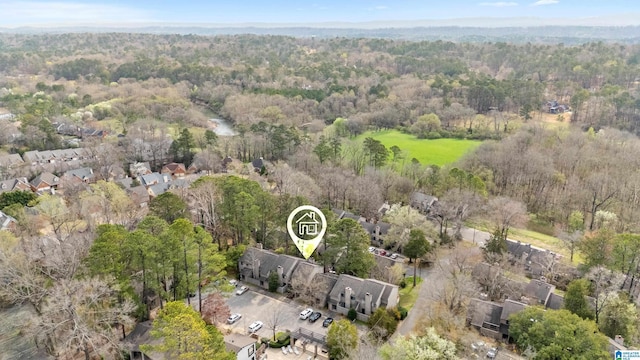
pixel 256 265
pixel 11 161
pixel 363 295
pixel 422 202
pixel 310 281
pixel 243 346
pixel 7 222
pixel 139 195
pixel 154 179
pixel 45 182
pixel 138 169
pixel 376 230
pixel 16 184
pixel 82 175
pixel 492 319
pixel 176 170
pixel 36 157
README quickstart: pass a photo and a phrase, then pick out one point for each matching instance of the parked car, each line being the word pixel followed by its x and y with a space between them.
pixel 255 326
pixel 315 316
pixel 394 256
pixel 233 282
pixel 233 318
pixel 327 322
pixel 242 290
pixel 477 345
pixel 304 315
pixel 491 354
pixel 382 253
pixel 371 249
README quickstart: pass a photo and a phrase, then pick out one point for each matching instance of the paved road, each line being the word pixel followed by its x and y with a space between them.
pixel 476 236
pixel 420 308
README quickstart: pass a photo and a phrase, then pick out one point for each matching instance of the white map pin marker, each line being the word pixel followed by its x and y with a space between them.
pixel 306 226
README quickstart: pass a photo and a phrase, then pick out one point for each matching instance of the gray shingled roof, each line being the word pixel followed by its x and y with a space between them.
pixel 510 307
pixel 539 290
pixel 556 302
pixel 83 174
pixel 46 177
pixel 270 261
pixel 481 311
pixel 236 342
pixel 343 282
pixel 11 160
pixel 422 199
pixel 14 184
pixel 159 189
pixel 150 179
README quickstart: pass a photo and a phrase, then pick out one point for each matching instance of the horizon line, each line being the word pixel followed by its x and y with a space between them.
pixel 632 19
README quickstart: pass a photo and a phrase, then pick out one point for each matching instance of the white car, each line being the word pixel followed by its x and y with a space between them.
pixel 255 326
pixel 233 282
pixel 233 318
pixel 304 315
pixel 394 256
pixel 371 249
pixel 491 354
pixel 242 290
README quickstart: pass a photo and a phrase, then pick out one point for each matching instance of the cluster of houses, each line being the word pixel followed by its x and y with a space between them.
pixel 491 318
pixel 338 293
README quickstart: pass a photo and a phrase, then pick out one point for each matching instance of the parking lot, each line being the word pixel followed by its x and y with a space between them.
pixel 254 306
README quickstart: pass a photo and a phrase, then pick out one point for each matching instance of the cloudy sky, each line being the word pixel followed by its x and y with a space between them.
pixel 89 12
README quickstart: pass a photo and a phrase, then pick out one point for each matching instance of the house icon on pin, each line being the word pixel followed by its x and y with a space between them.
pixel 307 224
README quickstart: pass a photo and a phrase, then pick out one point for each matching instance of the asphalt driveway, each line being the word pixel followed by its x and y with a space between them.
pixel 254 306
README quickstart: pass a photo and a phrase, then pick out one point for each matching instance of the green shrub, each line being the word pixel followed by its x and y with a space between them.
pixel 433 135
pixel 352 314
pixel 282 337
pixel 278 344
pixel 403 312
pixel 273 281
pixel 403 284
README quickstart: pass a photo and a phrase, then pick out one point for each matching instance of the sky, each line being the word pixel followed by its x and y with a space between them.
pixel 15 13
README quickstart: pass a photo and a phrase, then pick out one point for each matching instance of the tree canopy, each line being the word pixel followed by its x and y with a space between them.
pixel 557 334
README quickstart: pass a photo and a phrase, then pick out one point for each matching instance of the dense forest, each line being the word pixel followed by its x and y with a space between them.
pixel 309 107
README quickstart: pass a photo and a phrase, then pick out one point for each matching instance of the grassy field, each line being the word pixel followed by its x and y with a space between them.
pixel 438 151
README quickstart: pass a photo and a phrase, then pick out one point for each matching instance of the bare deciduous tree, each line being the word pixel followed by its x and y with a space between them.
pixel 274 319
pixel 83 315
pixel 604 284
pixel 506 213
pixel 215 309
pixel 455 285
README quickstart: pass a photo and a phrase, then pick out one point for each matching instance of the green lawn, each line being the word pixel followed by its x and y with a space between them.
pixel 409 294
pixel 438 151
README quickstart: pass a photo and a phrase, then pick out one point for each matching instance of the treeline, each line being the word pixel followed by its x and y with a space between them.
pixel 382 83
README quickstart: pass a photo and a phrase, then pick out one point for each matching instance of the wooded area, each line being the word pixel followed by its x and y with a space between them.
pixel 299 105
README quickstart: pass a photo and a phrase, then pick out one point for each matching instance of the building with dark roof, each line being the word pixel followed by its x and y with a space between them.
pixel 256 265
pixel 362 295
pixel 82 175
pixel 422 202
pixel 538 292
pixel 376 230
